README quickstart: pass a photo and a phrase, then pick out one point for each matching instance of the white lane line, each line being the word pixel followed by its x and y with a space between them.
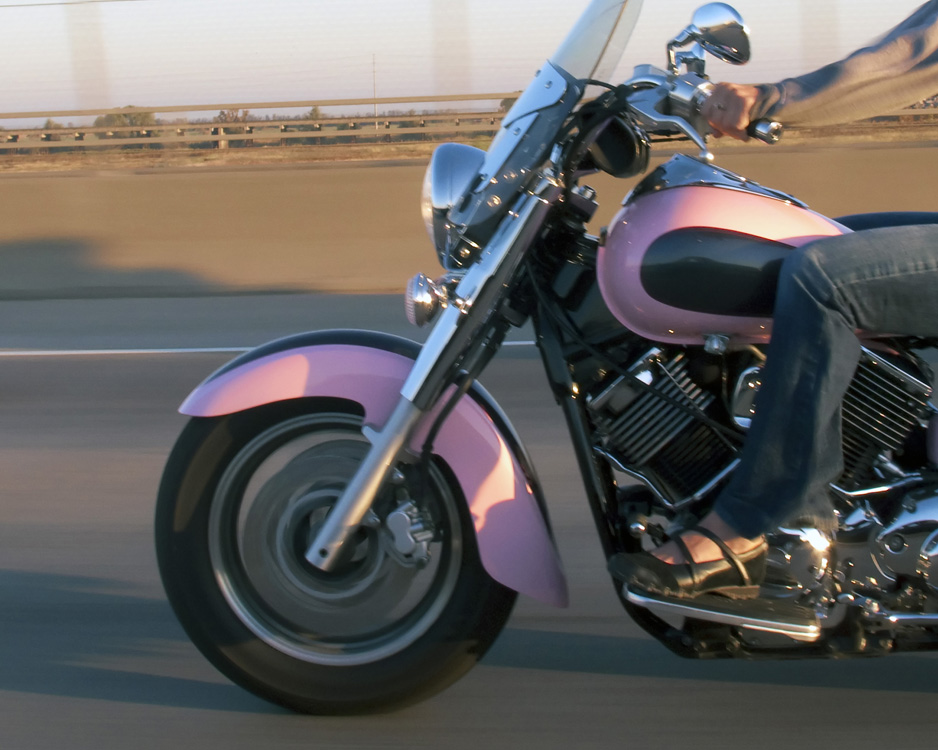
pixel 133 352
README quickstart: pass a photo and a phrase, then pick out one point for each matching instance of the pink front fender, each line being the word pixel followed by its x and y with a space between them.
pixel 513 537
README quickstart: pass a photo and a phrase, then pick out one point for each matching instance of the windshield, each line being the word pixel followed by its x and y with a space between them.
pixel 593 48
pixel 528 132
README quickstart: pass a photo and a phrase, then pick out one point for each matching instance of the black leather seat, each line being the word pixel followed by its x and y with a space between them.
pixel 856 222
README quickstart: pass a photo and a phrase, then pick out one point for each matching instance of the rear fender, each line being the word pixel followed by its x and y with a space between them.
pixel 476 441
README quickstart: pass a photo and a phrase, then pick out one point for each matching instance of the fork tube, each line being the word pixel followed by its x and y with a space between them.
pixel 364 486
pixel 457 333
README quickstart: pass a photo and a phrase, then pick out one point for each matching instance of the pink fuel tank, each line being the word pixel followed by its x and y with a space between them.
pixel 695 251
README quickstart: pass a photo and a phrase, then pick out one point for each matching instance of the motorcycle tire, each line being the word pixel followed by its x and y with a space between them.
pixel 240 500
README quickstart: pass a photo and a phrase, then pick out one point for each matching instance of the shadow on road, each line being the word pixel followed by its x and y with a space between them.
pixel 58 629
pixel 642 657
pixel 70 268
pixel 84 638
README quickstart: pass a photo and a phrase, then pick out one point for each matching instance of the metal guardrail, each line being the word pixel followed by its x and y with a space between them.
pixel 281 131
pixel 277 131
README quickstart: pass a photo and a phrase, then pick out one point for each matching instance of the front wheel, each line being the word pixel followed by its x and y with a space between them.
pixel 407 611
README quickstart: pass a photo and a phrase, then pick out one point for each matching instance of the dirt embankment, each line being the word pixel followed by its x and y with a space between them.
pixel 135 228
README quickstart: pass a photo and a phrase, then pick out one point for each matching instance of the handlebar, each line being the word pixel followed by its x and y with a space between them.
pixel 659 100
pixel 767 131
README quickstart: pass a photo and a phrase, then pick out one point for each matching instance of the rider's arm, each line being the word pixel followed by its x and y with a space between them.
pixel 898 70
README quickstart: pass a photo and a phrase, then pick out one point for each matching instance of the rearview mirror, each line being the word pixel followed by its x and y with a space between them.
pixel 722 33
pixel 719 30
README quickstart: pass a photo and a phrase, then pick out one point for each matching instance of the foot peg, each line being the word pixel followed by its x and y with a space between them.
pixel 777 616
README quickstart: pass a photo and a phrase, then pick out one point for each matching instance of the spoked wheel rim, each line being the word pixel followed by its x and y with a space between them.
pixel 270 501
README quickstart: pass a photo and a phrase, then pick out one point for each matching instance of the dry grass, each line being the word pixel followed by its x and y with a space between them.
pixel 104 160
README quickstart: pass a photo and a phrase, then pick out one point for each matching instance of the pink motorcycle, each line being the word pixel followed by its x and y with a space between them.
pixel 347 519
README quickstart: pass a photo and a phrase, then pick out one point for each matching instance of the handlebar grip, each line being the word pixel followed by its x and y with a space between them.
pixel 767 131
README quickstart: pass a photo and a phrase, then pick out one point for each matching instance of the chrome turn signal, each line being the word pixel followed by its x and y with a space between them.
pixel 423 300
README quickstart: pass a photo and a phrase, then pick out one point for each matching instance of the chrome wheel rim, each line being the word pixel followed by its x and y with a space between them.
pixel 271 499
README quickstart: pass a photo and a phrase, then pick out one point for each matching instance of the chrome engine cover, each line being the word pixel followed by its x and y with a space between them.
pixel 908 546
pixel 799 560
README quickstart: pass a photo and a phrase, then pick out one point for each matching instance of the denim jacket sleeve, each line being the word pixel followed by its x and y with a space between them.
pixel 898 70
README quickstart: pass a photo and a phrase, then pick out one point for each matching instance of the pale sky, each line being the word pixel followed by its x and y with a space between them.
pixel 57 55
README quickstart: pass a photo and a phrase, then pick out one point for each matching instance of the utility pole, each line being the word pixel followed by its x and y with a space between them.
pixel 452 51
pixel 374 82
pixel 89 56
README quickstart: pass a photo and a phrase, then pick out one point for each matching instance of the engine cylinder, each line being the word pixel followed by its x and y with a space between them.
pixel 644 427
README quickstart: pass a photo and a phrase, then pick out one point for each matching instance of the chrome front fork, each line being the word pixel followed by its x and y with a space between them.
pixel 458 330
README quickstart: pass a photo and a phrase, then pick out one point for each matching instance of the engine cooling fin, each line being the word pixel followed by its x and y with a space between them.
pixel 651 436
pixel 882 406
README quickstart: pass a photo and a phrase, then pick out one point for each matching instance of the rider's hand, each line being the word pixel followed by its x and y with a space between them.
pixel 727 109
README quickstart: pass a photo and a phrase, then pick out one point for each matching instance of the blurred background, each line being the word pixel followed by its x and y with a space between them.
pixel 84 54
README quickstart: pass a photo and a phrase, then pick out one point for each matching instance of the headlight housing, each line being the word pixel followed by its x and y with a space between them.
pixel 449 175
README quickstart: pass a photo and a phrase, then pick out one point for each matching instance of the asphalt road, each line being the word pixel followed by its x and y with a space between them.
pixel 91 656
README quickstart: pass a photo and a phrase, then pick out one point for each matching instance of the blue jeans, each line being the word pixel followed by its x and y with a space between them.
pixel 880 280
